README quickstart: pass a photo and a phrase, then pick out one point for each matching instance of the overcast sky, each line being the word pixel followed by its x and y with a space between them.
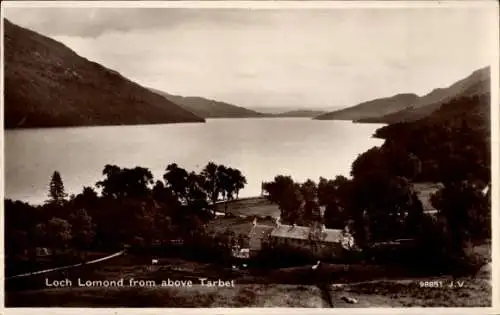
pixel 313 58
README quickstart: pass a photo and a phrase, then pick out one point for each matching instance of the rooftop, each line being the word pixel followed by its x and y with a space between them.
pixel 302 232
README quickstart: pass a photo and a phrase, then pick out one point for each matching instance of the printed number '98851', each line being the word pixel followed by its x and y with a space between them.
pixel 431 284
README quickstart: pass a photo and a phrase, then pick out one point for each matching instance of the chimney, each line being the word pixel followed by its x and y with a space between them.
pixel 277 222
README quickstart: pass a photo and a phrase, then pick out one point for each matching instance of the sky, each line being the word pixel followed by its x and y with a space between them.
pixel 299 58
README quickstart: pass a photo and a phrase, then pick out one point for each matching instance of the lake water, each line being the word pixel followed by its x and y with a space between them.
pixel 261 148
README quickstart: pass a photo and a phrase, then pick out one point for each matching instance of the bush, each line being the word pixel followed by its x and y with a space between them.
pixel 283 257
pixel 436 250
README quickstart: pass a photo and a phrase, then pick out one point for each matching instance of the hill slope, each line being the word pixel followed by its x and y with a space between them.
pixel 374 108
pixel 49 85
pixel 209 108
pixel 408 107
pixel 301 113
pixel 477 84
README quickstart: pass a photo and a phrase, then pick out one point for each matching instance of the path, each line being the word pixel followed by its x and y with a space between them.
pixel 68 266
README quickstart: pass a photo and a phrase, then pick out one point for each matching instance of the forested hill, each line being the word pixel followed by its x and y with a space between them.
pixel 451 144
pixel 49 85
pixel 208 108
pixel 300 113
pixel 477 84
pixel 373 108
pixel 408 107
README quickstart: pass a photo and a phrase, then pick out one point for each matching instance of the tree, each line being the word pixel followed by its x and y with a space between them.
pixel 229 181
pixel 197 194
pixel 277 189
pixel 212 174
pixel 466 211
pixel 119 183
pixel 287 195
pixel 87 199
pixel 58 232
pixel 239 181
pixel 17 243
pixel 57 194
pixel 111 186
pixel 381 207
pixel 40 232
pixel 82 229
pixel 226 184
pixel 311 211
pixel 176 179
pixel 335 196
pixel 369 162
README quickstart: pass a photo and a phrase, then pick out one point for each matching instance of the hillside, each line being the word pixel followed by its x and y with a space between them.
pixel 49 85
pixel 300 113
pixel 478 84
pixel 408 107
pixel 373 108
pixel 452 143
pixel 208 108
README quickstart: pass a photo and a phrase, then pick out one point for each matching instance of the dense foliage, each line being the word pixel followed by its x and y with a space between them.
pixel 450 145
pixel 131 209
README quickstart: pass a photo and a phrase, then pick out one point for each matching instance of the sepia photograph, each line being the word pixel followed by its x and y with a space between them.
pixel 248 155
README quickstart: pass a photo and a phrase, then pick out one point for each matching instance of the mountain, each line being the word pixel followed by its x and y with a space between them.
pixel 49 85
pixel 374 108
pixel 413 107
pixel 300 113
pixel 477 84
pixel 283 109
pixel 208 108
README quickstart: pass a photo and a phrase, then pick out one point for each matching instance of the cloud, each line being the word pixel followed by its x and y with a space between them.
pixel 305 58
pixel 94 22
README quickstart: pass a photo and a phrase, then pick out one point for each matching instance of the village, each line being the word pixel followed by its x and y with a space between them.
pixel 255 222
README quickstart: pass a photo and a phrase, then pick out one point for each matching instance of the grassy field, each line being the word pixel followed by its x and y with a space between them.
pixel 196 296
pixel 258 206
pixel 262 207
pixel 475 293
pixel 236 224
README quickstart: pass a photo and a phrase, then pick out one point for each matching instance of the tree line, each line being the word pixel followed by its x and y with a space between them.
pixel 132 208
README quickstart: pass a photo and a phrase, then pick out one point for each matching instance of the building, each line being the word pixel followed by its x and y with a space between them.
pixel 253 236
pixel 321 242
pixel 256 235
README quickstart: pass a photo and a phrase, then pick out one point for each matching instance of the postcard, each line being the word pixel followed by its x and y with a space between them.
pixel 237 157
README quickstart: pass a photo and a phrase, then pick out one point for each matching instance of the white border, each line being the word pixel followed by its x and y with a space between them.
pixel 495 115
pixel 257 4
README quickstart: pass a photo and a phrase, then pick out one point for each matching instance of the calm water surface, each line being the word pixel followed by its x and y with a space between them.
pixel 260 148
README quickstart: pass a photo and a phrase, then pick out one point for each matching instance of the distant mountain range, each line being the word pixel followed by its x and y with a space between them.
pixel 374 108
pixel 208 108
pixel 300 113
pixel 410 107
pixel 49 85
pixel 285 109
